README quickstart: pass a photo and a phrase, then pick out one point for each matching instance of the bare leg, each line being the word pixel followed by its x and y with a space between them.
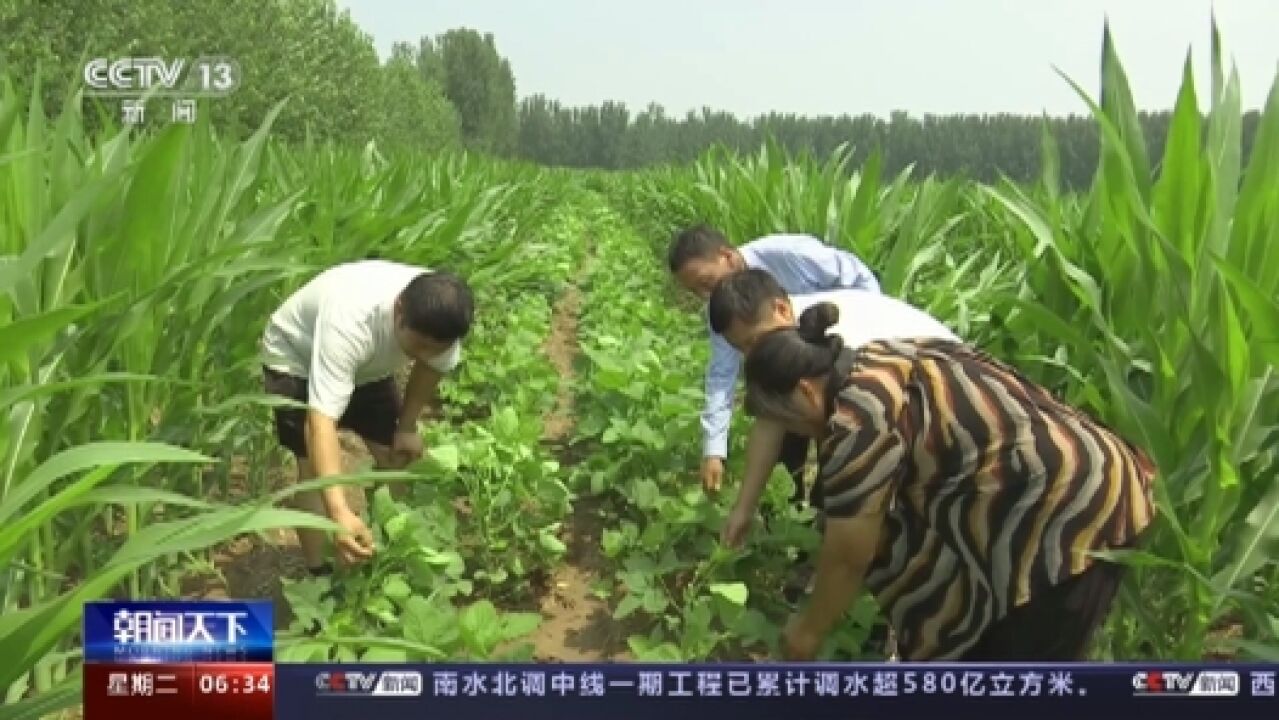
pixel 383 459
pixel 312 541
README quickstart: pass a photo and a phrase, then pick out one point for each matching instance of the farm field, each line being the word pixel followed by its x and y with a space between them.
pixel 558 515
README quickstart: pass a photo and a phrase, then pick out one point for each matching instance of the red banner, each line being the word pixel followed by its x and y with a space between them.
pixel 179 691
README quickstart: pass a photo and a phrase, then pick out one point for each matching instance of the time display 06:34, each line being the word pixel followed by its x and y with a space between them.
pixel 233 683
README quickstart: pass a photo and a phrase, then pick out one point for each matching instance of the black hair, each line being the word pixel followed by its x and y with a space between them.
pixel 783 357
pixel 697 242
pixel 438 305
pixel 742 296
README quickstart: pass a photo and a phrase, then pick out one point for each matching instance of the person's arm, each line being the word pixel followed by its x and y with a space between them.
pixel 325 451
pixel 337 351
pixel 763 447
pixel 848 548
pixel 861 459
pixel 721 381
pixel 422 389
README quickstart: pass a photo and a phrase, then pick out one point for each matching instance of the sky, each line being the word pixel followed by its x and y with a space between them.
pixel 830 57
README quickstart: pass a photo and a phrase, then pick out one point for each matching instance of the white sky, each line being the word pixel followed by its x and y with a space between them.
pixel 829 57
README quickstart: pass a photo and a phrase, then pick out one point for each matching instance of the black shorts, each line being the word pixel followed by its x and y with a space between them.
pixel 373 413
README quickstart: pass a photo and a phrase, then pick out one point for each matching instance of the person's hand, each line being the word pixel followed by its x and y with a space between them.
pixel 354 544
pixel 799 643
pixel 712 473
pixel 406 447
pixel 737 527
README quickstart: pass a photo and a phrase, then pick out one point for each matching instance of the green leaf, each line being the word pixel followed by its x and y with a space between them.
pixel 301 652
pixel 1262 651
pixel 11 396
pixel 445 457
pixel 1258 543
pixel 517 625
pixel 654 601
pixel 613 543
pixel 385 654
pixel 307 601
pixel 101 457
pixel 734 592
pixel 384 610
pixel 57 233
pixel 646 494
pixel 1261 309
pixel 552 544
pixel 383 507
pixel 397 588
pixel 19 336
pixel 626 607
pixel 480 627
pixel 126 495
pixel 430 623
pixel 647 651
pixel 47 704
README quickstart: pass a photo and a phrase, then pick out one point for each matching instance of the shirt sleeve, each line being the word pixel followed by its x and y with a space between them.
pixel 447 360
pixel 863 456
pixel 337 351
pixel 822 266
pixel 721 379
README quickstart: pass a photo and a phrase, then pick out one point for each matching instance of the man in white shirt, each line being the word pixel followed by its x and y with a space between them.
pixel 335 344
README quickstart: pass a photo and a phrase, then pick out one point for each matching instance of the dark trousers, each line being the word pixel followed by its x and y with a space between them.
pixel 1056 625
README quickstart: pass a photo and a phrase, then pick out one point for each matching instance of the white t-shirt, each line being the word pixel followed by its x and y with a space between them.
pixel 338 331
pixel 866 316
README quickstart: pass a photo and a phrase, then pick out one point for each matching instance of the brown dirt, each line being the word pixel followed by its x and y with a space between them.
pixel 577 624
pixel 561 348
pixel 1217 644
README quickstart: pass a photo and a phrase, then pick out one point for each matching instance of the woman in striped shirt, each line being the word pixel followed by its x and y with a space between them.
pixel 999 495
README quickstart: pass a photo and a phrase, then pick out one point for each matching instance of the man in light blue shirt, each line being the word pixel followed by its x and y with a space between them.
pixel 699 258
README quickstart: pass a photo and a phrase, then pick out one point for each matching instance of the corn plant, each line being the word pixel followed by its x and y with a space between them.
pixel 1152 302
pixel 136 270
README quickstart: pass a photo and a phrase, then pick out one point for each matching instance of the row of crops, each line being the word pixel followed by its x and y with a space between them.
pixel 136 273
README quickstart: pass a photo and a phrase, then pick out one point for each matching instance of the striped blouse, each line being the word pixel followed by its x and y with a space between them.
pixel 991 489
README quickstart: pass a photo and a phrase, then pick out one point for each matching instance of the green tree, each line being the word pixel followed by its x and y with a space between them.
pixel 479 83
pixel 540 136
pixel 415 112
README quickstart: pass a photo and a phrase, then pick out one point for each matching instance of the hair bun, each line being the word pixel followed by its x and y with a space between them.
pixel 816 320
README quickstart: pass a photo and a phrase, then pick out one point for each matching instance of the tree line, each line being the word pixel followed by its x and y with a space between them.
pixel 455 90
pixel 981 147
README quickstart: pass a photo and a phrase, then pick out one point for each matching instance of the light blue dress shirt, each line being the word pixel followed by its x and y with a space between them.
pixel 801 264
